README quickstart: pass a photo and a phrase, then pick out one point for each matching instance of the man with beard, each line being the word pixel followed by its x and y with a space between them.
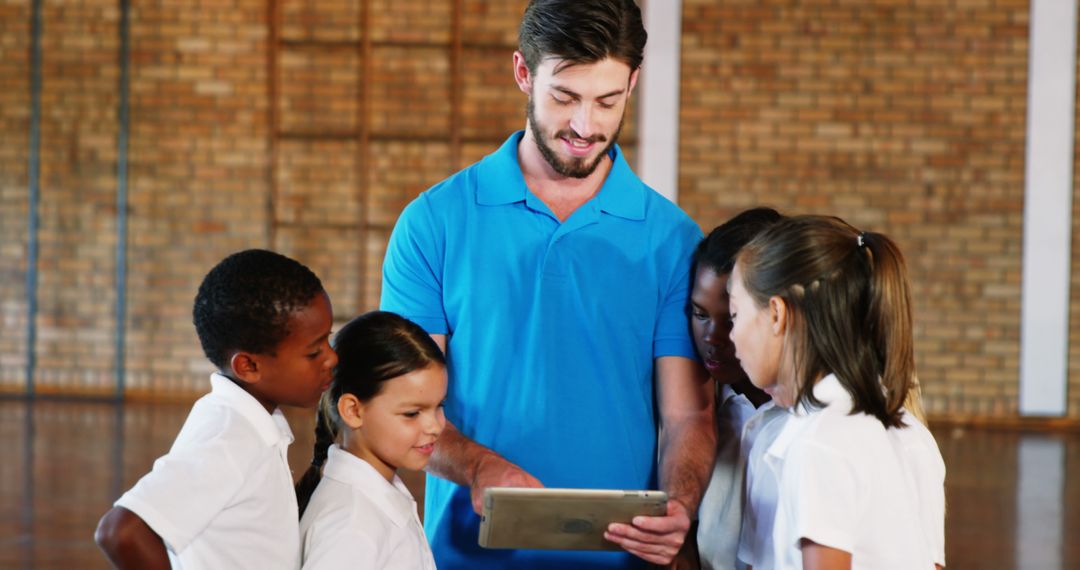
pixel 556 281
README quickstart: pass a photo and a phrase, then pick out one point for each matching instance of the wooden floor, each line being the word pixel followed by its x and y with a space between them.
pixel 1013 497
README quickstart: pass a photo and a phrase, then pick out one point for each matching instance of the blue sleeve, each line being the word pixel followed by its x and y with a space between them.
pixel 413 267
pixel 672 335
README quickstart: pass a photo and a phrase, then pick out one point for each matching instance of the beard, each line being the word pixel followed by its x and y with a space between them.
pixel 570 167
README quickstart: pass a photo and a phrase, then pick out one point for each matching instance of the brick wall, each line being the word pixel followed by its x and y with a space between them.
pixel 14 134
pixel 198 171
pixel 356 138
pixel 902 117
pixel 77 182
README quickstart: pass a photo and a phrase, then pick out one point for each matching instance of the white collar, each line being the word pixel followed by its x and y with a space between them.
pixel 830 393
pixel 393 499
pixel 726 393
pixel 273 428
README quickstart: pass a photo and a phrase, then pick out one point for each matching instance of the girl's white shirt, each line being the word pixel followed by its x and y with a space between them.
pixel 358 519
pixel 843 483
pixel 919 453
pixel 762 485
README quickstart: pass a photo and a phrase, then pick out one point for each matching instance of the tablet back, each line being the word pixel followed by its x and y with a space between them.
pixel 561 519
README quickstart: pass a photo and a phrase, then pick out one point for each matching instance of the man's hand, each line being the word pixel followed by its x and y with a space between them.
pixel 494 471
pixel 653 539
pixel 688 558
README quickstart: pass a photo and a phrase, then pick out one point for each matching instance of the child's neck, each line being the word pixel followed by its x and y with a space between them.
pixel 355 444
pixel 756 396
pixel 268 405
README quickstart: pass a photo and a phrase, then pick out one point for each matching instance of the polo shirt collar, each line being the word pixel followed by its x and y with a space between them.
pixel 726 394
pixel 830 393
pixel 623 193
pixel 502 182
pixel 393 499
pixel 273 429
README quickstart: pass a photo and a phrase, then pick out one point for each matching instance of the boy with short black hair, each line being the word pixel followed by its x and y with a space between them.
pixel 222 497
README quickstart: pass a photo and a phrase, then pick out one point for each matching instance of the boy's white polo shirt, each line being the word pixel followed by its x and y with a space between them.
pixel 223 496
pixel 843 485
pixel 358 519
pixel 720 512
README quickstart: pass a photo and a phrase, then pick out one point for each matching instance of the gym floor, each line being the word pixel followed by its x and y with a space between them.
pixel 1011 500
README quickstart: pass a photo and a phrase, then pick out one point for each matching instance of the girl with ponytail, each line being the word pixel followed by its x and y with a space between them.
pixel 821 320
pixel 384 410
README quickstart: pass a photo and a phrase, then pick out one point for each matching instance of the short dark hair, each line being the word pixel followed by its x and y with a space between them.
pixel 245 301
pixel 582 31
pixel 718 250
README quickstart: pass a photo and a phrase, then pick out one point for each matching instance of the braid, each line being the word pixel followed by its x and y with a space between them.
pixel 324 438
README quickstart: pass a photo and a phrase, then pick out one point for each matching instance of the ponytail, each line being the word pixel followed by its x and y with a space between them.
pixel 325 434
pixel 849 307
pixel 889 317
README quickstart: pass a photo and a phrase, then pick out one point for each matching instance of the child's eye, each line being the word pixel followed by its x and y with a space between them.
pixel 699 315
pixel 314 355
pixel 412 414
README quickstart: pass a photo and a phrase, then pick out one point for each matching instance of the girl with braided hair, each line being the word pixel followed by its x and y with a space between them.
pixel 384 410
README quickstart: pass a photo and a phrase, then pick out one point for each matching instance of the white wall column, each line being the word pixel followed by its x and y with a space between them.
pixel 658 93
pixel 1048 186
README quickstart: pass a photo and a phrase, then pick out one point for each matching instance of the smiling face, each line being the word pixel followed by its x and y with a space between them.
pixel 299 369
pixel 399 426
pixel 575 111
pixel 710 323
pixel 758 335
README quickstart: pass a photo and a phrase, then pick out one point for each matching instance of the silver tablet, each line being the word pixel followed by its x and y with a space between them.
pixel 561 519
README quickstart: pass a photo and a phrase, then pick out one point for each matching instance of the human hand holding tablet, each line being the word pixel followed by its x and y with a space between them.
pixel 561 519
pixel 494 471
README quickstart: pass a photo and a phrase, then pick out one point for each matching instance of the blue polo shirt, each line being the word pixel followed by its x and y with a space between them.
pixel 552 329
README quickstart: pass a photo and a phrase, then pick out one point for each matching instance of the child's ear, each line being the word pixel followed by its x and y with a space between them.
pixel 351 411
pixel 778 315
pixel 245 367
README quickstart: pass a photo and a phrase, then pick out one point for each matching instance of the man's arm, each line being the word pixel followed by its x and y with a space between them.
pixel 467 463
pixel 687 451
pixel 688 430
pixel 129 542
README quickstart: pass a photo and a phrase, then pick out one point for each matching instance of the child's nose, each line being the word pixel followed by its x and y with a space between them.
pixel 435 424
pixel 712 335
